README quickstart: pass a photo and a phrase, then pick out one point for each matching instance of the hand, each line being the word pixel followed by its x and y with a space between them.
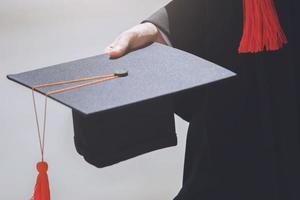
pixel 136 37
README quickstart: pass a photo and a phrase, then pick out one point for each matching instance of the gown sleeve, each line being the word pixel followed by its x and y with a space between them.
pixel 172 20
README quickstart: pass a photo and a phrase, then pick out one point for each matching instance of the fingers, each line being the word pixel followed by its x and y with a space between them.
pixel 120 46
pixel 134 38
pixel 111 46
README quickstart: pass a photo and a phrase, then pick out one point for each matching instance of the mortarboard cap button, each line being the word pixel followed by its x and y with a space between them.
pixel 121 73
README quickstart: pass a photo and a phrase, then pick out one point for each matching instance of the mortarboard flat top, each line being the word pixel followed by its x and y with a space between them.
pixel 154 71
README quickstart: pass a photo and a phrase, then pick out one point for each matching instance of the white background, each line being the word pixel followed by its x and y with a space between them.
pixel 37 33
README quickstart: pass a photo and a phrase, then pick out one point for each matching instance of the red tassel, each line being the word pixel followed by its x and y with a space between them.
pixel 262 29
pixel 41 190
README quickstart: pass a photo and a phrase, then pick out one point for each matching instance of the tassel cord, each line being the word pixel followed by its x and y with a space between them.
pixel 42 189
pixel 91 81
pixel 41 136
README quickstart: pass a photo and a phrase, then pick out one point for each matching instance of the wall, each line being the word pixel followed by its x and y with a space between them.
pixel 41 33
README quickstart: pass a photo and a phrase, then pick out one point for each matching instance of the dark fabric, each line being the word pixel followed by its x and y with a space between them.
pixel 107 138
pixel 243 139
pixel 161 20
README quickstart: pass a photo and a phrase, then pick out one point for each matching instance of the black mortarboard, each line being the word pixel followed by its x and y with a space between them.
pixel 128 116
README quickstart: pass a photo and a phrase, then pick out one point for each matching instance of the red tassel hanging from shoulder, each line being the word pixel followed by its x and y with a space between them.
pixel 262 29
pixel 41 190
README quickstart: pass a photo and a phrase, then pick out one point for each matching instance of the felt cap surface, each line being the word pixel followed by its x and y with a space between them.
pixel 153 72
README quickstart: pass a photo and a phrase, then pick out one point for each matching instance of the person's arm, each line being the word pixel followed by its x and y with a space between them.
pixel 163 27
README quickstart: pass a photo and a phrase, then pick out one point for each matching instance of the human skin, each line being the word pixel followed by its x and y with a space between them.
pixel 134 38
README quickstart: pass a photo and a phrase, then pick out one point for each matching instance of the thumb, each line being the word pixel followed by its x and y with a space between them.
pixel 121 46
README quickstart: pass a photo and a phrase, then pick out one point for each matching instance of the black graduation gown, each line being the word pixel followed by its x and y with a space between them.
pixel 243 139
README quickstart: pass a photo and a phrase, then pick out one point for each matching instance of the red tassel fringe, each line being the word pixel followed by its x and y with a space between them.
pixel 262 29
pixel 41 190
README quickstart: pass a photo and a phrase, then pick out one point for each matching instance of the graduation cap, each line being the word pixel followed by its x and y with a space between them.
pixel 123 107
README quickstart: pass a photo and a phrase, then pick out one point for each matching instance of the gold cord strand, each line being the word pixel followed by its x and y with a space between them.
pixel 44 126
pixel 38 124
pixel 91 81
pixel 73 81
pixel 80 85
